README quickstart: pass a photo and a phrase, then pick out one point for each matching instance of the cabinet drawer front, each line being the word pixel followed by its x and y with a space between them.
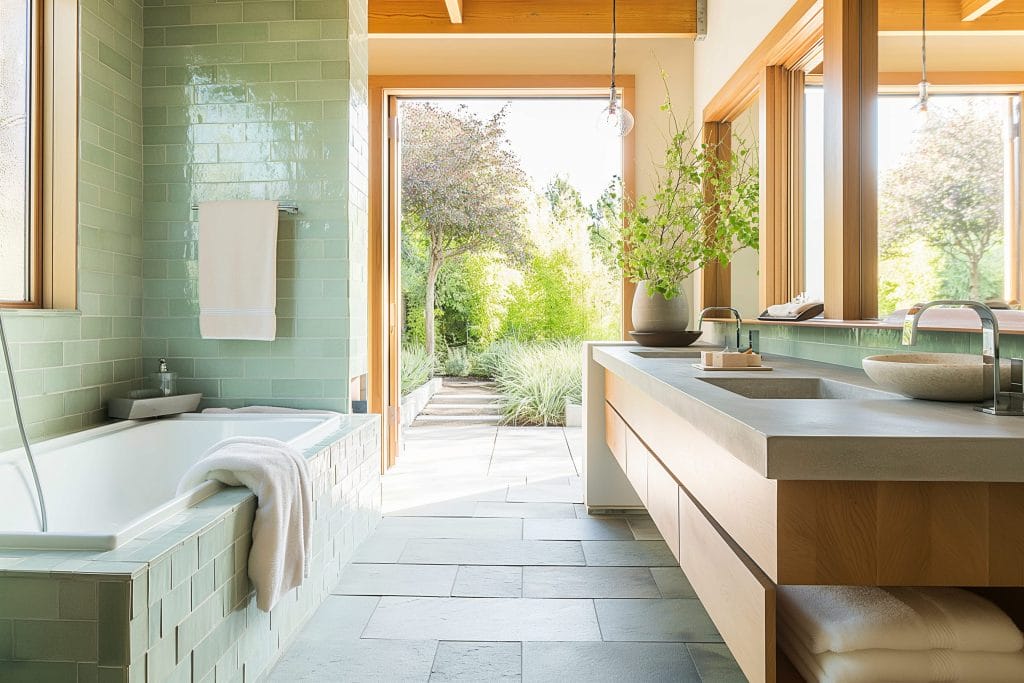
pixel 637 456
pixel 615 435
pixel 663 503
pixel 737 595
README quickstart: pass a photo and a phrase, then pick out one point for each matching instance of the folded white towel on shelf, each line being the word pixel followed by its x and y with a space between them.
pixel 896 666
pixel 267 410
pixel 282 529
pixel 238 270
pixel 850 618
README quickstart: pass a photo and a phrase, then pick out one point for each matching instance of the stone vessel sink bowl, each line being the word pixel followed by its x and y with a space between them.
pixel 933 376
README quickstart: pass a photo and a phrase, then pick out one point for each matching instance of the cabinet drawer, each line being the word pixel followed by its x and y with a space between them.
pixel 615 435
pixel 739 597
pixel 663 503
pixel 637 456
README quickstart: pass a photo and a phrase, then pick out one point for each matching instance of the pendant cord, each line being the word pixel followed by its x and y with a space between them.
pixel 924 41
pixel 614 42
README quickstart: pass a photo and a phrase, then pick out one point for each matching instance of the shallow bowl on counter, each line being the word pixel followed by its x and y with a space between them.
pixel 933 376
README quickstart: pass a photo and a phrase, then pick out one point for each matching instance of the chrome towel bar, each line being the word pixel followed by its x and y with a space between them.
pixel 285 207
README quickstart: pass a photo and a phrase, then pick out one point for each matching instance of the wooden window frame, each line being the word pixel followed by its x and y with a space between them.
pixel 53 158
pixel 384 393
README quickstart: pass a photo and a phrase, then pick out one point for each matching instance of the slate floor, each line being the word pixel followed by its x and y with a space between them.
pixel 486 567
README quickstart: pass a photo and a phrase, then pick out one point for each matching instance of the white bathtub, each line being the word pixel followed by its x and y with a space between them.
pixel 107 485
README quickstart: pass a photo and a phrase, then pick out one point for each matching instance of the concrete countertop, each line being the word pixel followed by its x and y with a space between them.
pixel 889 438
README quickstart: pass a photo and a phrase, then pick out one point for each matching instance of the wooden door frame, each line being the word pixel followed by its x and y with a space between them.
pixel 384 393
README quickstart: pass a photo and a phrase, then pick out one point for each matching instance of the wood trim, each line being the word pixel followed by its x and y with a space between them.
pixel 715 280
pixel 971 10
pixel 791 43
pixel 781 153
pixel 384 393
pixel 639 17
pixel 454 8
pixel 904 16
pixel 1009 82
pixel 851 216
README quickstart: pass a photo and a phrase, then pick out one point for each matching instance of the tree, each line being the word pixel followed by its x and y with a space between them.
pixel 948 194
pixel 463 184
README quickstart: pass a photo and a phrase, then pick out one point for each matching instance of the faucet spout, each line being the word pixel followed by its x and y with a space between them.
pixel 989 341
pixel 735 314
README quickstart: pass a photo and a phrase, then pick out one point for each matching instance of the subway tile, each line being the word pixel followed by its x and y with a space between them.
pixel 66 640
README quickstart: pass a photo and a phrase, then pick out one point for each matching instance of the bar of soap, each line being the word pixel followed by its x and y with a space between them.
pixel 753 360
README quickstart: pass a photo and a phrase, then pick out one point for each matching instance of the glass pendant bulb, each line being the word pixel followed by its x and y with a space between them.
pixel 616 118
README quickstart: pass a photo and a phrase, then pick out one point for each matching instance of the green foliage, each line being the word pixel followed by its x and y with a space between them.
pixel 941 208
pixel 704 208
pixel 536 380
pixel 458 363
pixel 416 367
pixel 488 363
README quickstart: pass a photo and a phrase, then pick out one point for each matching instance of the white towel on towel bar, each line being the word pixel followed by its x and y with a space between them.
pixel 282 529
pixel 238 270
pixel 900 666
pixel 849 618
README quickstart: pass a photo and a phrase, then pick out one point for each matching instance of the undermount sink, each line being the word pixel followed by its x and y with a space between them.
pixel 934 376
pixel 667 353
pixel 794 388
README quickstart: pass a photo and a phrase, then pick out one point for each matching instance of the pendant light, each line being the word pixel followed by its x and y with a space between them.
pixel 615 117
pixel 922 92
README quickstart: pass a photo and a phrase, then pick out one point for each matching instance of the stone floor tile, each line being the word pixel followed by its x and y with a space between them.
pixel 446 508
pixel 379 550
pixel 355 660
pixel 340 617
pixel 591 529
pixel 476 662
pixel 672 582
pixel 661 620
pixel 488 582
pixel 449 527
pixel 715 663
pixel 643 528
pixel 628 554
pixel 525 510
pixel 589 582
pixel 396 579
pixel 547 492
pixel 608 663
pixel 491 552
pixel 484 619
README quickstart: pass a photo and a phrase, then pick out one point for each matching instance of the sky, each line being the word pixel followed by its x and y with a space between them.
pixel 557 137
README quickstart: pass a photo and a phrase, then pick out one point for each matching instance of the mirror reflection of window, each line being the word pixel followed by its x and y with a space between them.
pixel 814 191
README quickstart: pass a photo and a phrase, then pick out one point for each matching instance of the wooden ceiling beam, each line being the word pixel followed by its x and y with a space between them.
pixel 454 10
pixel 973 9
pixel 637 17
pixel 944 16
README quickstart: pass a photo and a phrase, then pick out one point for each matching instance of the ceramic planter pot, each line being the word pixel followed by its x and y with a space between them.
pixel 655 313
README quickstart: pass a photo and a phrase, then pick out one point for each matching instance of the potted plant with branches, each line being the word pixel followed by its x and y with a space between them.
pixel 704 208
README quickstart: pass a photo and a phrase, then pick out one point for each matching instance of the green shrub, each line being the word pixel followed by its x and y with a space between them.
pixel 416 367
pixel 458 363
pixel 488 362
pixel 536 380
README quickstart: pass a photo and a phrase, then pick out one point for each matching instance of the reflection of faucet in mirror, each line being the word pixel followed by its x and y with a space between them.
pixel 1003 403
pixel 735 313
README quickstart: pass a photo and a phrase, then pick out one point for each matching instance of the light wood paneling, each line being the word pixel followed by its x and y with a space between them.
pixel 663 503
pixel 715 280
pixel 615 435
pixel 735 592
pixel 641 17
pixel 851 123
pixel 904 16
pixel 637 459
pixel 781 152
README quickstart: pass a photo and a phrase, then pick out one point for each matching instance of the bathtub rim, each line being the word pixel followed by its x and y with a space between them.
pixel 305 443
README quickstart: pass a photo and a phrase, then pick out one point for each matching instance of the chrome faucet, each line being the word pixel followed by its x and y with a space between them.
pixel 735 313
pixel 1003 403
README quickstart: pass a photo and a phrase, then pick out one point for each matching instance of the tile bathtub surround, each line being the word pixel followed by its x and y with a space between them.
pixel 176 604
pixel 259 100
pixel 68 363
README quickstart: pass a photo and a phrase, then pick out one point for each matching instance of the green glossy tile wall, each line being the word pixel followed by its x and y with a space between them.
pixel 68 363
pixel 256 100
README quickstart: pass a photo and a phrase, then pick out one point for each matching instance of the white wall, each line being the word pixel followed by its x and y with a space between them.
pixel 487 55
pixel 735 28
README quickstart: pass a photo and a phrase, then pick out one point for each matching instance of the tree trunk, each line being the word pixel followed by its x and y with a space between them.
pixel 975 276
pixel 432 270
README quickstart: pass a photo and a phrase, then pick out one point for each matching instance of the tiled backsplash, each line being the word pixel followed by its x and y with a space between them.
pixel 68 363
pixel 252 100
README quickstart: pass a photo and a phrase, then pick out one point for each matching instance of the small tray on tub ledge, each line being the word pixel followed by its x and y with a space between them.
pixel 144 404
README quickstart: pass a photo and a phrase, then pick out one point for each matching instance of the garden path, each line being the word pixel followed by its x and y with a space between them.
pixel 462 401
pixel 487 567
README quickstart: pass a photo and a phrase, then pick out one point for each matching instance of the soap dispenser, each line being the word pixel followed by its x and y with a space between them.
pixel 165 380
